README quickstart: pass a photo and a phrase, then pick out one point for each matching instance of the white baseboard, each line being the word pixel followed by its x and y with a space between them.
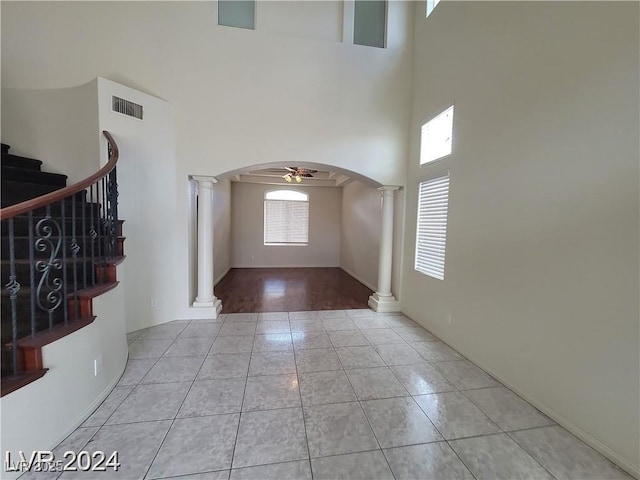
pixel 220 277
pixel 286 266
pixel 82 417
pixel 358 278
pixel 560 419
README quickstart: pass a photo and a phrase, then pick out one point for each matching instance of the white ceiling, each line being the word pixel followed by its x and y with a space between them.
pixel 273 176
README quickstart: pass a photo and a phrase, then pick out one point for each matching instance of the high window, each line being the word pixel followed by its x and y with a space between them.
pixel 436 137
pixel 431 4
pixel 237 13
pixel 431 234
pixel 369 22
pixel 286 218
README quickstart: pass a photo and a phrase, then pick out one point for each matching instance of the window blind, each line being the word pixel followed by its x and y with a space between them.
pixel 431 235
pixel 286 222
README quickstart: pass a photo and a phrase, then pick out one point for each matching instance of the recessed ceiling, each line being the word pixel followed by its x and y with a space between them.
pixel 274 176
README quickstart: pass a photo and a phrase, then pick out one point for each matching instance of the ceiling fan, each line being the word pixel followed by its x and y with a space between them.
pixel 297 173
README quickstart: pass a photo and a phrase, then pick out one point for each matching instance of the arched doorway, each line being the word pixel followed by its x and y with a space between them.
pixel 360 247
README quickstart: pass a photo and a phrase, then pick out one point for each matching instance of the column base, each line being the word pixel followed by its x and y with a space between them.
pixel 384 304
pixel 210 309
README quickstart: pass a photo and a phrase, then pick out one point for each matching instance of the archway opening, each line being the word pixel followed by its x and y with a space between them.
pixel 328 243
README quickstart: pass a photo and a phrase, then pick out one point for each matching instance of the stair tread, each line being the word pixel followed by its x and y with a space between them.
pixel 24 237
pixel 23 175
pixel 26 290
pixel 11 383
pixel 69 259
pixel 9 159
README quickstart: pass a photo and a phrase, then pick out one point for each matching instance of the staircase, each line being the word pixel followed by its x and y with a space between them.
pixel 59 249
pixel 23 179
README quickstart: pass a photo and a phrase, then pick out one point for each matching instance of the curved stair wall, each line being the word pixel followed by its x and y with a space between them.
pixel 63 318
pixel 40 415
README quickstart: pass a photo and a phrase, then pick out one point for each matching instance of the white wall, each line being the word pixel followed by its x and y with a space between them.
pixel 360 232
pixel 59 127
pixel 221 228
pixel 318 20
pixel 147 202
pixel 241 97
pixel 41 414
pixel 541 274
pixel 247 229
pixel 294 98
pixel 62 128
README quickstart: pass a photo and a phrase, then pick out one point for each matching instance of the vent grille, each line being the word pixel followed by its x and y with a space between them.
pixel 126 107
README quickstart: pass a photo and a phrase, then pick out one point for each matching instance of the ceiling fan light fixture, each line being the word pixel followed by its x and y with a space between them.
pixel 287 178
pixel 298 179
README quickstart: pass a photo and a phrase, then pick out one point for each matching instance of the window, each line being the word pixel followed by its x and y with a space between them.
pixel 237 13
pixel 286 218
pixel 431 4
pixel 436 137
pixel 431 234
pixel 369 22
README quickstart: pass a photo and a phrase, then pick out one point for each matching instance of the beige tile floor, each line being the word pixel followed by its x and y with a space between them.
pixel 325 395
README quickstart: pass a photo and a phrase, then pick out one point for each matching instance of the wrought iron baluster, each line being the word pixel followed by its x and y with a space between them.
pixel 50 239
pixel 104 222
pixel 92 234
pixel 32 277
pixel 102 243
pixel 53 248
pixel 65 266
pixel 75 248
pixel 99 232
pixel 109 218
pixel 113 184
pixel 13 287
pixel 83 234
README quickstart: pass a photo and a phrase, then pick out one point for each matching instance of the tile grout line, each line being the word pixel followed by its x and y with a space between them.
pixel 369 423
pixel 530 455
pixel 164 438
pixel 344 370
pixel 244 393
pixel 406 342
pixel 139 381
pixel 437 430
pixel 304 418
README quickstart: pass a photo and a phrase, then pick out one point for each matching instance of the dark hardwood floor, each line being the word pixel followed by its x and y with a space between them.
pixel 290 290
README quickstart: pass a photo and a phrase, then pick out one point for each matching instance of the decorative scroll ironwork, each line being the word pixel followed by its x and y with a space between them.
pixel 48 295
pixel 59 246
pixel 13 287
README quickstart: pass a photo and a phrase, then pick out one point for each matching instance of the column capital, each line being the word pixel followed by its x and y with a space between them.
pixel 204 181
pixel 387 190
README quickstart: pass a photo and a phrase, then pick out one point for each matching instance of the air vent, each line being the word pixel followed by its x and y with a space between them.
pixel 126 107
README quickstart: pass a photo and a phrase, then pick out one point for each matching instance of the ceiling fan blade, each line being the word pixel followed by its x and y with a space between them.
pixel 306 175
pixel 291 169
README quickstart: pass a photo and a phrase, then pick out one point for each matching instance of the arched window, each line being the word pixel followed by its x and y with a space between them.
pixel 286 217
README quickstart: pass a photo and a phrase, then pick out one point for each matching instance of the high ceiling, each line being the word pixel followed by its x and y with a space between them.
pixel 273 176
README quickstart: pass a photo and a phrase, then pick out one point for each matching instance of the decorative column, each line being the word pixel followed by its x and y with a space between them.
pixel 383 300
pixel 205 297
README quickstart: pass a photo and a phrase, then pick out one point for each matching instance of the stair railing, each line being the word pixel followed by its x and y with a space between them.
pixel 59 244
